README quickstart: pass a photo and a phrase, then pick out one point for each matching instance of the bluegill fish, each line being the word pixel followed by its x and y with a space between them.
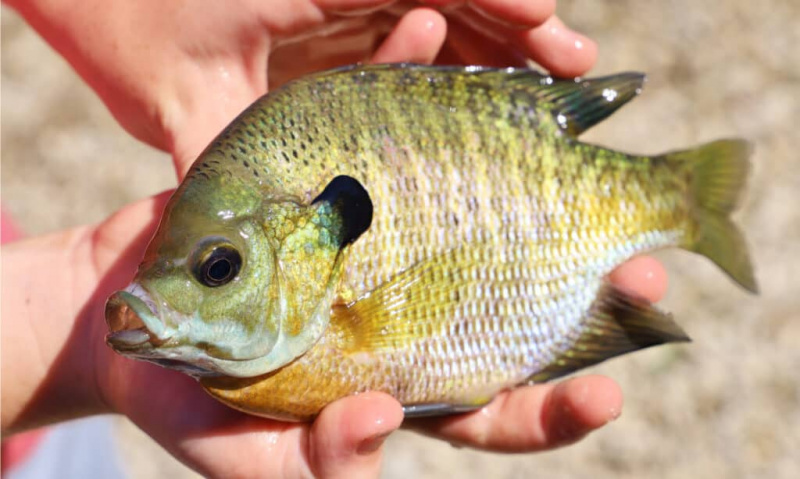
pixel 437 233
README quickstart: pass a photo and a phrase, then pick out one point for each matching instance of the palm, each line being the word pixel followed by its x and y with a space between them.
pixel 175 411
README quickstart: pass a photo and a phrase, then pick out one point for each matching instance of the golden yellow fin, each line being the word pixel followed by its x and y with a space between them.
pixel 417 302
pixel 617 323
pixel 718 172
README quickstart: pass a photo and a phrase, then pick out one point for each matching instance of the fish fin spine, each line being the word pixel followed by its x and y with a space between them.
pixel 579 104
pixel 440 409
pixel 616 324
pixel 717 176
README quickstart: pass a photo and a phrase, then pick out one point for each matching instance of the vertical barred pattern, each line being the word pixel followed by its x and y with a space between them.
pixel 509 225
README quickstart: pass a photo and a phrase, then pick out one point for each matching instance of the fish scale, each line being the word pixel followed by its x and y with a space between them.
pixel 480 267
pixel 412 229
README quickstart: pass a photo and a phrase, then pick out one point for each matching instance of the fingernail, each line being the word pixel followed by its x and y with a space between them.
pixel 368 446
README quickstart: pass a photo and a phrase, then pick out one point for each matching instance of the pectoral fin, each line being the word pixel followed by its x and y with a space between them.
pixel 417 302
pixel 617 323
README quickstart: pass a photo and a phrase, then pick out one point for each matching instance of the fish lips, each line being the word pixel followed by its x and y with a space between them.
pixel 133 325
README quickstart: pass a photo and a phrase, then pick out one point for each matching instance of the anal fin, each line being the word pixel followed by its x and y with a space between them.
pixel 618 323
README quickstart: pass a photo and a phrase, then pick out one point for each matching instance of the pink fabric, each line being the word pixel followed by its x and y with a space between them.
pixel 17 448
pixel 8 230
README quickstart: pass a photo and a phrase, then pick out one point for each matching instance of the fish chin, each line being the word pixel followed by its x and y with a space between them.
pixel 136 331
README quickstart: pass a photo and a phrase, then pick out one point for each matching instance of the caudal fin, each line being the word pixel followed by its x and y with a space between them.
pixel 718 172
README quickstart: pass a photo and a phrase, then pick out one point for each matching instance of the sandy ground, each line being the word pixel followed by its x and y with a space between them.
pixel 727 405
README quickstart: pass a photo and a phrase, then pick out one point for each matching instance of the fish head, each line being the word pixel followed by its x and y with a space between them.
pixel 235 282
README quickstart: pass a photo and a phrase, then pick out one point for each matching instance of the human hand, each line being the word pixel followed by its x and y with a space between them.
pixel 177 99
pixel 174 74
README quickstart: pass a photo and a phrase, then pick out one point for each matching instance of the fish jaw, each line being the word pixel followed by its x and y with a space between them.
pixel 132 320
pixel 135 331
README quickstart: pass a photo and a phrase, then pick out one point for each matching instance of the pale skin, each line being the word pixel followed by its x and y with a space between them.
pixel 174 76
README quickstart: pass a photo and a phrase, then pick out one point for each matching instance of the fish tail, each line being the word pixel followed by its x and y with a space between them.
pixel 718 172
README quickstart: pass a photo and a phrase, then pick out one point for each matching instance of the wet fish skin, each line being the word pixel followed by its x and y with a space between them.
pixel 480 265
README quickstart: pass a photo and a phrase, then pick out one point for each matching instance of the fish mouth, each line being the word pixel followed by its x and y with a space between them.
pixel 132 322
pixel 136 331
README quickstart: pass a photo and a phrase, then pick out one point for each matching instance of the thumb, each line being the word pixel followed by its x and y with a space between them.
pixel 346 439
pixel 203 113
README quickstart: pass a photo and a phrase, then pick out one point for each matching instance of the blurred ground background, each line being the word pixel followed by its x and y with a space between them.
pixel 727 405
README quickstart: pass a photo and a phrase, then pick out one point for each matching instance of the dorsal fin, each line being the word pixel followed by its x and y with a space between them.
pixel 351 201
pixel 580 104
pixel 617 323
pixel 576 104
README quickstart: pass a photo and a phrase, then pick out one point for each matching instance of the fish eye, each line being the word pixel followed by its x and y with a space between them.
pixel 218 266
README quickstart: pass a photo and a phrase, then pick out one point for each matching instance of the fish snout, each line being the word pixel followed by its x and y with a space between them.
pixel 132 322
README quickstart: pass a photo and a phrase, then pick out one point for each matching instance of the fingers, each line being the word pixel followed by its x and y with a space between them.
pixel 643 276
pixel 417 38
pixel 563 52
pixel 471 40
pixel 494 36
pixel 578 406
pixel 551 44
pixel 519 13
pixel 122 237
pixel 351 7
pixel 532 418
pixel 345 440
